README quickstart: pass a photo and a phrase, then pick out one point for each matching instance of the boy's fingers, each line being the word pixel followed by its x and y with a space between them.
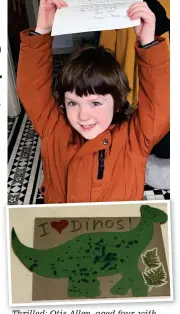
pixel 56 3
pixel 138 4
pixel 60 3
pixel 141 15
pixel 63 3
pixel 140 9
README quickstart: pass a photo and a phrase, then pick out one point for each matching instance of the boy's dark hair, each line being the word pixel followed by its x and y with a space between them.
pixel 95 70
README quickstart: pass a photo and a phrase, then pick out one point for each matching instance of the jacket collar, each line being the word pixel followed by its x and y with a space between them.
pixel 102 141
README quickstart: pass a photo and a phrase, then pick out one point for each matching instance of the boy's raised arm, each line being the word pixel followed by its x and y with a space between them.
pixel 34 76
pixel 152 121
pixel 34 80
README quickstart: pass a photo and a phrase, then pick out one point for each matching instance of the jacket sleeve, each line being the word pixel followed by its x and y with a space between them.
pixel 34 81
pixel 151 121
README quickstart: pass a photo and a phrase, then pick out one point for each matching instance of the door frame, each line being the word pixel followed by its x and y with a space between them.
pixel 14 107
pixel 32 11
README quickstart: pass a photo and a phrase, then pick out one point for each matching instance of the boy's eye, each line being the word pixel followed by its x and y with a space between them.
pixel 72 104
pixel 96 104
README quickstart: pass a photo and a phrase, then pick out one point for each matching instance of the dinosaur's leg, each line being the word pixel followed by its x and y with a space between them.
pixel 121 287
pixel 139 289
pixel 83 287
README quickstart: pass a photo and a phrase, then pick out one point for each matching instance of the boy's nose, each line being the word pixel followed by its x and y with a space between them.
pixel 84 114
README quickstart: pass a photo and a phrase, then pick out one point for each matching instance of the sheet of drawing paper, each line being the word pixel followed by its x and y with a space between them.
pixel 50 232
pixel 92 15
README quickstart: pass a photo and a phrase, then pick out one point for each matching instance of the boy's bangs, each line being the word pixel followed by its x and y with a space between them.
pixel 88 83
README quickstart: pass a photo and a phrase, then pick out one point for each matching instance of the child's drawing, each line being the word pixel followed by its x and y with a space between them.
pixel 90 256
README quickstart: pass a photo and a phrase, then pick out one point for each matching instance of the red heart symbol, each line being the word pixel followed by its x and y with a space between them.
pixel 59 225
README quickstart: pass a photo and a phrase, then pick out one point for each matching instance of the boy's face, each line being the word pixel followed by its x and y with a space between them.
pixel 89 115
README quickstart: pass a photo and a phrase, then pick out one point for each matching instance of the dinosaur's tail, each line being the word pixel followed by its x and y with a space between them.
pixel 28 256
pixel 41 262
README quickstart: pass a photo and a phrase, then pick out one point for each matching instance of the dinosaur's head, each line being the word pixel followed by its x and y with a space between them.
pixel 154 214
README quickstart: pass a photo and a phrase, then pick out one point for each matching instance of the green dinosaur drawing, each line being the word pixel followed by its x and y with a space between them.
pixel 89 256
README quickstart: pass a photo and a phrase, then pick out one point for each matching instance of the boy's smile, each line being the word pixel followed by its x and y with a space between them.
pixel 89 115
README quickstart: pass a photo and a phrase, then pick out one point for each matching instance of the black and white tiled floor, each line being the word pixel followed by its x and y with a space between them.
pixel 25 166
pixel 23 161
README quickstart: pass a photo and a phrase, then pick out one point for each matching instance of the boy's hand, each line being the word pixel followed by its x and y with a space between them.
pixel 146 30
pixel 47 10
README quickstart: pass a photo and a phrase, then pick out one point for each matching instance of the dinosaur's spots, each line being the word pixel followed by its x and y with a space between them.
pixel 105 266
pixel 74 271
pixel 82 270
pixel 97 259
pixel 94 273
pixel 70 257
pixel 136 241
pixel 122 241
pixel 115 238
pixel 118 245
pixel 84 280
pixel 99 242
pixel 103 249
pixel 112 268
pixel 55 273
pixel 108 256
pixel 66 252
pixel 87 251
pixel 130 242
pixel 78 265
pixel 29 258
pixel 122 260
pixel 127 246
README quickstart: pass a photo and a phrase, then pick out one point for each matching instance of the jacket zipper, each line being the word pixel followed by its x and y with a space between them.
pixel 101 164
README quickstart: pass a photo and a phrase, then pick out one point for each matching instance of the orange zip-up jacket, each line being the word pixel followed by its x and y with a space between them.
pixel 71 166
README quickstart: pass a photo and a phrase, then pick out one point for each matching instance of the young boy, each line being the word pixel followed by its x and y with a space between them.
pixel 95 149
